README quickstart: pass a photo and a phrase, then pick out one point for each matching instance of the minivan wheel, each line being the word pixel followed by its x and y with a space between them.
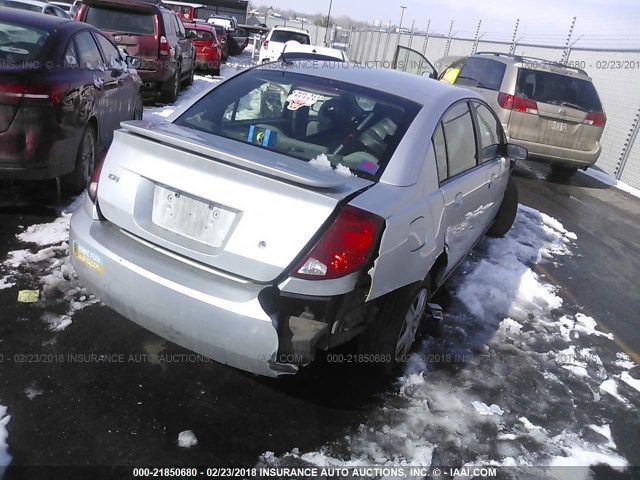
pixel 507 212
pixel 76 181
pixel 563 171
pixel 389 339
pixel 171 95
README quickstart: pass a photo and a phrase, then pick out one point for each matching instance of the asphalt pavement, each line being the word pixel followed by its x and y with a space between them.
pixel 101 399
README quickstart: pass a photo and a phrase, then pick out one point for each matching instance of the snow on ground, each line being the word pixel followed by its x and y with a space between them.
pixel 511 380
pixel 187 439
pixel 609 180
pixel 5 458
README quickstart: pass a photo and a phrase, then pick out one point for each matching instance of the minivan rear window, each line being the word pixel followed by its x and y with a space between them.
pixel 558 89
pixel 481 73
pixel 121 20
pixel 282 36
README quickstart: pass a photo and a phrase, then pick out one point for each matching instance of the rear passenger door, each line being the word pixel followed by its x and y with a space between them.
pixel 186 45
pixel 463 181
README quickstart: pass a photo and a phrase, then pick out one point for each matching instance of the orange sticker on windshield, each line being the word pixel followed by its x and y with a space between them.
pixel 298 99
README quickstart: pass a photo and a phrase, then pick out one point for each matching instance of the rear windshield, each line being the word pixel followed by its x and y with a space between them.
pixel 121 20
pixel 194 34
pixel 282 36
pixel 19 5
pixel 305 117
pixel 558 89
pixel 20 43
pixel 481 73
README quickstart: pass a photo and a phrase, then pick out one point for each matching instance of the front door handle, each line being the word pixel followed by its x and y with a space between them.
pixel 458 200
pixel 493 179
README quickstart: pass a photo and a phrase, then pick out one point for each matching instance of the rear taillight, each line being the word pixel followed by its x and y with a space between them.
pixel 344 248
pixel 164 49
pixel 14 93
pixel 265 45
pixel 596 119
pixel 517 104
pixel 92 186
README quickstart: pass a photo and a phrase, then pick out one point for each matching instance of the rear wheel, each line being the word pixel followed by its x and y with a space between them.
pixel 173 87
pixel 76 181
pixel 390 338
pixel 563 171
pixel 507 212
pixel 139 107
pixel 189 81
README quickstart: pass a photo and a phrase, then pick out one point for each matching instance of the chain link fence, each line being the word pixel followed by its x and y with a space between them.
pixel 615 73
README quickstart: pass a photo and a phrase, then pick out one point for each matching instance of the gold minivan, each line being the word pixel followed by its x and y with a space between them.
pixel 549 108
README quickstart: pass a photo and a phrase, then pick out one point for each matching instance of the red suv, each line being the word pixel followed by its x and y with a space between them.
pixel 153 35
pixel 208 47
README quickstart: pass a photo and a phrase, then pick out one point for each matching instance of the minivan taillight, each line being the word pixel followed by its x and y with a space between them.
pixel 92 186
pixel 164 49
pixel 265 45
pixel 596 119
pixel 518 104
pixel 344 248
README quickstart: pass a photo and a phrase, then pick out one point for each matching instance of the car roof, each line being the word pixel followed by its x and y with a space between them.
pixel 290 29
pixel 413 87
pixel 295 47
pixel 35 19
pixel 534 63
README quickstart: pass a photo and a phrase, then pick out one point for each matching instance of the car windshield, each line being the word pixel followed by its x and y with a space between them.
pixel 20 5
pixel 306 117
pixel 121 20
pixel 20 43
pixel 284 36
pixel 558 89
pixel 194 34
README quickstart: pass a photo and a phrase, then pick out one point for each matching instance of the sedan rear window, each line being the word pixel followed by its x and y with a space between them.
pixel 305 117
pixel 20 43
pixel 283 36
pixel 121 20
pixel 558 89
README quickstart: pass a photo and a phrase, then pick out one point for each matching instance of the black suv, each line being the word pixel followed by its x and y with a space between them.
pixel 153 35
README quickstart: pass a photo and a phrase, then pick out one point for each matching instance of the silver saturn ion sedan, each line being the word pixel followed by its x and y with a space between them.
pixel 289 210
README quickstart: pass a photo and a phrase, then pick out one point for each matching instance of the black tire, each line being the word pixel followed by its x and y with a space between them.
pixel 76 181
pixel 507 212
pixel 139 107
pixel 563 171
pixel 215 72
pixel 172 87
pixel 189 81
pixel 234 48
pixel 396 327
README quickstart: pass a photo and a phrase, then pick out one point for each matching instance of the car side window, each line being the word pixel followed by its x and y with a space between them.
pixel 460 139
pixel 489 132
pixel 88 53
pixel 440 149
pixel 111 53
pixel 179 26
pixel 70 57
pixel 169 26
pixel 60 13
pixel 49 11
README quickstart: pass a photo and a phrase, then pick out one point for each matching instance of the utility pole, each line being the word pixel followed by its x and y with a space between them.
pixel 326 33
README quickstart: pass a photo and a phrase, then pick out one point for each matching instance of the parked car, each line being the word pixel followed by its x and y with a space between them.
pixel 64 89
pixel 66 6
pixel 152 34
pixel 228 22
pixel 208 47
pixel 552 109
pixel 223 38
pixel 187 12
pixel 35 6
pixel 277 37
pixel 237 38
pixel 297 51
pixel 289 209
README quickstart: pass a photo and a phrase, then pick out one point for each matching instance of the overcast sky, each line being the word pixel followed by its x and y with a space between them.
pixel 613 23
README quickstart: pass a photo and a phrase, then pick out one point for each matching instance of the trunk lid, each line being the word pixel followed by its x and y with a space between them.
pixel 227 205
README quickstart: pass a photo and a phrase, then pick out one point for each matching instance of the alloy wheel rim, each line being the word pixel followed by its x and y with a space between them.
pixel 410 325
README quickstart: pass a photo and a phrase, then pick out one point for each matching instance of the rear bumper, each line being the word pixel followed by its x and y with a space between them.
pixel 36 147
pixel 217 317
pixel 560 155
pixel 164 71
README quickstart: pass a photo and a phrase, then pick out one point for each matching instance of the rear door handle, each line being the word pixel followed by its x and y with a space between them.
pixel 458 200
pixel 493 179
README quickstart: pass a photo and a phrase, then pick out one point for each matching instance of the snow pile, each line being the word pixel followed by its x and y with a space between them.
pixel 5 283
pixel 47 233
pixel 321 162
pixel 507 343
pixel 187 439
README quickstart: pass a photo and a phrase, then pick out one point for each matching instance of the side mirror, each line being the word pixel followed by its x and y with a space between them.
pixel 132 62
pixel 516 152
